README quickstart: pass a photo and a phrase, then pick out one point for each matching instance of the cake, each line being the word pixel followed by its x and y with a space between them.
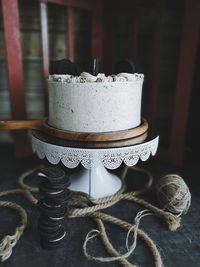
pixel 99 104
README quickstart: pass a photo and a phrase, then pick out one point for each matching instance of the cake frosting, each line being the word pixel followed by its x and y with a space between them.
pixel 88 103
pixel 87 77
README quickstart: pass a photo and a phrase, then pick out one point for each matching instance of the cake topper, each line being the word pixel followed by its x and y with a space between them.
pixel 63 66
pixel 125 65
pixel 95 68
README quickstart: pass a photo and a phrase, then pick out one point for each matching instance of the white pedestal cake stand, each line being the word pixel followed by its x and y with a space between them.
pixel 94 177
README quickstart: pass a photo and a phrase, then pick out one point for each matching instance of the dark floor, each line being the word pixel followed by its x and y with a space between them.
pixel 180 248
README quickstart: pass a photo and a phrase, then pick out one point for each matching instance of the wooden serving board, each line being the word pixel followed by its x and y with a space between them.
pixel 80 144
pixel 43 126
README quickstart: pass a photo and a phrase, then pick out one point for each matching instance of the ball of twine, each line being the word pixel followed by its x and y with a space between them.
pixel 173 193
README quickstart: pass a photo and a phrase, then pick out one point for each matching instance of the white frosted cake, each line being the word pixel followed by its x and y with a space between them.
pixel 90 103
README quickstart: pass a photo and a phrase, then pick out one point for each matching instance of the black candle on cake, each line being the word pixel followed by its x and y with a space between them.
pixel 127 66
pixel 94 66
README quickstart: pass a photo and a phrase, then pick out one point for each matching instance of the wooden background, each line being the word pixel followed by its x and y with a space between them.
pixel 32 54
pixel 153 33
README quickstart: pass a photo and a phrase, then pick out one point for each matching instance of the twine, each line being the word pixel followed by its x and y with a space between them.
pixel 93 233
pixel 9 241
pixel 84 205
pixel 173 194
pixel 141 234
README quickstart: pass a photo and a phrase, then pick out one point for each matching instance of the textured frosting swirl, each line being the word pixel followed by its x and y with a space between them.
pixel 87 77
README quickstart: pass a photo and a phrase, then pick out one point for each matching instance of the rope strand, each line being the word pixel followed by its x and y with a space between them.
pixel 84 205
pixel 9 241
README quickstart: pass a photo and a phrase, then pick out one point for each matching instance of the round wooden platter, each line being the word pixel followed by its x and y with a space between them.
pixel 96 145
pixel 43 126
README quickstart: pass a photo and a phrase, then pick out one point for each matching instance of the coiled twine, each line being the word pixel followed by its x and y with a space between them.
pixel 173 193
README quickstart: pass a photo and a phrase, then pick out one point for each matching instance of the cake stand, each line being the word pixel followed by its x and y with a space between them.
pixel 95 158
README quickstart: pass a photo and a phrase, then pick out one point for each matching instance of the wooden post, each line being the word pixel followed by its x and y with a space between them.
pixel 154 72
pixel 45 51
pixel 14 58
pixel 70 33
pixel 15 71
pixel 97 31
pixel 189 44
pixel 134 33
pixel 109 23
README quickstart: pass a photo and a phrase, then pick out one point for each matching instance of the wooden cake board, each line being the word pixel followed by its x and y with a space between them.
pixel 43 126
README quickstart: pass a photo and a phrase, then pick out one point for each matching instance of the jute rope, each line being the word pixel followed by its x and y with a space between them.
pixel 116 255
pixel 107 244
pixel 105 240
pixel 123 187
pixel 84 205
pixel 173 194
pixel 141 234
pixel 9 241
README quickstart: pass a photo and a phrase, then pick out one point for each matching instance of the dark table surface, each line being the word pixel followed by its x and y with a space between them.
pixel 179 248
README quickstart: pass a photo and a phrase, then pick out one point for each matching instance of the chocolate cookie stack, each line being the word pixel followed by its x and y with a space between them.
pixel 53 207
